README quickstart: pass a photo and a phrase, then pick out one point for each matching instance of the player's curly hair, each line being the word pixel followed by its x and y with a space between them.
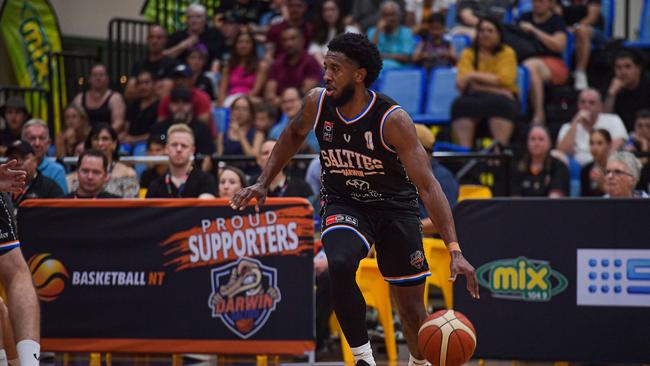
pixel 358 47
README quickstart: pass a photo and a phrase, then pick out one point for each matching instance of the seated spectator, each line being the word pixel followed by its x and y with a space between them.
pixel 37 133
pixel 295 68
pixel 294 18
pixel 539 174
pixel 394 41
pixel 92 172
pixel 585 21
pixel 102 104
pixel 364 13
pixel 231 180
pixel 545 63
pixel 197 58
pixel 417 11
pixel 197 31
pixel 592 175
pixel 15 114
pixel 640 137
pixel 573 139
pixel 469 12
pixel 291 106
pixel 36 185
pixel 629 90
pixel 75 129
pixel 243 12
pixel 201 105
pixel 244 73
pixel 155 147
pixel 155 61
pixel 122 180
pixel 433 50
pixel 282 185
pixel 265 117
pixel 622 175
pixel 644 179
pixel 182 180
pixel 241 138
pixel 487 82
pixel 142 112
pixel 330 24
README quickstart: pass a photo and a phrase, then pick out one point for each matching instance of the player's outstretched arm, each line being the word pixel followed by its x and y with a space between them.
pixel 290 141
pixel 11 180
pixel 400 132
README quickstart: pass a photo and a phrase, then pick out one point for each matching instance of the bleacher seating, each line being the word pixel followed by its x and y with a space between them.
pixel 221 117
pixel 523 82
pixel 406 86
pixel 460 42
pixel 643 40
pixel 440 93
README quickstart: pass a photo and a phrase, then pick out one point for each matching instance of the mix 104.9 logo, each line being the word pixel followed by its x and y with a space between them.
pixel 613 277
pixel 521 279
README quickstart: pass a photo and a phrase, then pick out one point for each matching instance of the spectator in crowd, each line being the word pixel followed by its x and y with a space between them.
pixel 330 24
pixel 156 62
pixel 486 79
pixel 545 65
pixel 181 42
pixel 629 90
pixel 155 147
pixel 243 12
pixel 102 104
pixel 417 11
pixel 14 112
pixel 36 185
pixel 142 112
pixel 182 180
pixel 265 117
pixel 75 129
pixel 181 111
pixel 295 68
pixel 469 12
pixel 446 178
pixel 644 179
pixel 622 175
pixel 275 14
pixel 640 137
pixel 312 176
pixel 231 180
pixel 295 18
pixel 241 138
pixel 201 105
pixel 92 170
pixel 585 21
pixel 197 58
pixel 282 185
pixel 592 175
pixel 291 106
pixel 433 50
pixel 539 174
pixel 123 181
pixel 244 73
pixel 573 139
pixel 394 41
pixel 37 133
pixel 364 13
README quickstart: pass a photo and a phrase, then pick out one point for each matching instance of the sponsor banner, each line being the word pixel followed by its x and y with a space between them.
pixel 559 279
pixel 171 275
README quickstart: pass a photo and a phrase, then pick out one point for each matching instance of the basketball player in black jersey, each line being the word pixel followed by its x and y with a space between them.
pixel 373 169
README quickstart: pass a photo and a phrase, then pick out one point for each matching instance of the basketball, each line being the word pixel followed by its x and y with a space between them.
pixel 447 338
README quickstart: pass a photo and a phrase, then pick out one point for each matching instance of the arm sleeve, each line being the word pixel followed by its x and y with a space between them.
pixel 208 185
pixel 465 62
pixel 507 68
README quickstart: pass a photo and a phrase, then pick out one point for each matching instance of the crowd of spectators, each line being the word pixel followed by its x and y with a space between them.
pixel 257 59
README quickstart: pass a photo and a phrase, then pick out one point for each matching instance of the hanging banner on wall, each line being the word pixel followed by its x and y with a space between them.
pixel 170 276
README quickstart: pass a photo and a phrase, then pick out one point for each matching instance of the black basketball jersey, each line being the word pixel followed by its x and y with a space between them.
pixel 357 165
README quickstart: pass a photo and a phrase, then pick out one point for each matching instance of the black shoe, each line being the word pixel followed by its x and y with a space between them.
pixel 362 363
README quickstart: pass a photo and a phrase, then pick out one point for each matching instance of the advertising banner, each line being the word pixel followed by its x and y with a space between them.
pixel 560 280
pixel 169 276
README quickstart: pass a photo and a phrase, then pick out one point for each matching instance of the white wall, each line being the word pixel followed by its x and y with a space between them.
pixel 89 18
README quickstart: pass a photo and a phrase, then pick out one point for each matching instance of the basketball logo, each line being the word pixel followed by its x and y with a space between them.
pixel 49 276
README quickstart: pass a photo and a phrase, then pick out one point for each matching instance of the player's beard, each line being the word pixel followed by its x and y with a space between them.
pixel 346 95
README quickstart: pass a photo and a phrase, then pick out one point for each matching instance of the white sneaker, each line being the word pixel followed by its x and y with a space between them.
pixel 580 80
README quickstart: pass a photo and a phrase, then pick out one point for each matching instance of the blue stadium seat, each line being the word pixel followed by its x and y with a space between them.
pixel 525 6
pixel 140 149
pixel 644 28
pixel 523 83
pixel 221 117
pixel 567 55
pixel 451 16
pixel 460 42
pixel 406 86
pixel 608 10
pixel 441 92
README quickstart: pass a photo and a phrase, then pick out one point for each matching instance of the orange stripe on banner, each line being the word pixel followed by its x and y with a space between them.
pixel 175 346
pixel 150 202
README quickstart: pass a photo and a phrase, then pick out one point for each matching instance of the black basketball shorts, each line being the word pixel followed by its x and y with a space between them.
pixel 398 241
pixel 8 237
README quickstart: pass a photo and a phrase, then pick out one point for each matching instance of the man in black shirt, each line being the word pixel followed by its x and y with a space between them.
pixel 92 172
pixel 36 185
pixel 181 180
pixel 629 90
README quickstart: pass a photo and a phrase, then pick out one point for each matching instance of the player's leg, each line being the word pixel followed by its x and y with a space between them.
pixel 8 351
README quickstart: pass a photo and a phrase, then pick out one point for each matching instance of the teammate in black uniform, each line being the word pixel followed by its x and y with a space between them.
pixel 372 170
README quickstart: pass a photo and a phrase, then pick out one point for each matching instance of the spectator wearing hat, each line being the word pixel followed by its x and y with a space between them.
pixel 201 107
pixel 197 58
pixel 622 175
pixel 36 185
pixel 14 112
pixel 92 172
pixel 102 104
pixel 37 133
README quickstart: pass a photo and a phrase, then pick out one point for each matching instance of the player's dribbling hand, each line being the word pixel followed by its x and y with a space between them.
pixel 245 195
pixel 459 265
pixel 11 180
